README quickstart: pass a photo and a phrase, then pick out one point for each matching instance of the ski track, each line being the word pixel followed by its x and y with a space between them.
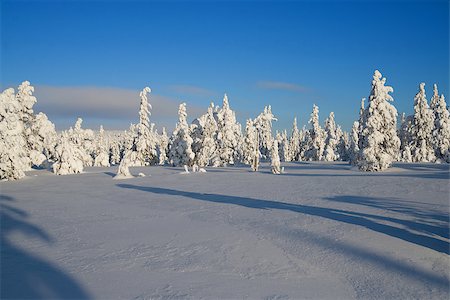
pixel 320 231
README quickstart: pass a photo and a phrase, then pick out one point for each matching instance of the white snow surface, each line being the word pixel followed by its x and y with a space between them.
pixel 322 230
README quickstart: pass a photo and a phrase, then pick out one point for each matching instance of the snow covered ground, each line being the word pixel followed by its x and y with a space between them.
pixel 320 231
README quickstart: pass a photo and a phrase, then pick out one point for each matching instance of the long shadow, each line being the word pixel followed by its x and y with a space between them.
pixel 384 261
pixel 23 275
pixel 423 166
pixel 425 175
pixel 419 210
pixel 349 217
pixel 308 165
pixel 416 170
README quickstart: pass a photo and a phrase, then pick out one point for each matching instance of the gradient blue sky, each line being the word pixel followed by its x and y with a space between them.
pixel 287 54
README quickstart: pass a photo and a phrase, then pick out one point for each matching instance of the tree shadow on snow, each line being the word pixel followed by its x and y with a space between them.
pixel 428 213
pixel 369 221
pixel 23 275
pixel 110 174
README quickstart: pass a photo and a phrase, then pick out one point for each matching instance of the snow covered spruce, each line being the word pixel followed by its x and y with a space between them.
pixel 378 140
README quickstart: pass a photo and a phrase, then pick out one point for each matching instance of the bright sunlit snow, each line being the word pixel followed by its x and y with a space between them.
pixel 322 230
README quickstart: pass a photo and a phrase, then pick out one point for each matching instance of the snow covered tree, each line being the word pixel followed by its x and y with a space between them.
pixel 354 149
pixel 84 141
pixel 404 134
pixel 275 159
pixel 146 140
pixel 180 145
pixel 379 143
pixel 361 121
pixel 441 132
pixel 294 143
pixel 343 146
pixel 101 152
pixel 27 100
pixel 229 135
pixel 123 172
pixel 14 158
pixel 251 146
pixel 204 136
pixel 317 135
pixel 162 146
pixel 283 148
pixel 422 129
pixel 434 101
pixel 331 140
pixel 263 124
pixel 115 151
pixel 42 139
pixel 69 157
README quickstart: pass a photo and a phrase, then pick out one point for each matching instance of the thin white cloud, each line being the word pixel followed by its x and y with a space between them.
pixel 107 103
pixel 191 90
pixel 278 85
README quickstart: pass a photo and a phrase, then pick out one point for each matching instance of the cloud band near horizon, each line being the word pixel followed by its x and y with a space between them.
pixel 118 106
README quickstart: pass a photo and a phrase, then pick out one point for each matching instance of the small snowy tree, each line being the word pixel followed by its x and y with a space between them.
pixel 180 145
pixel 115 151
pixel 331 140
pixel 283 143
pixel 343 146
pixel 162 147
pixel 422 129
pixel 69 158
pixel 101 153
pixel 317 135
pixel 275 159
pixel 354 149
pixel 379 143
pixel 123 172
pixel 441 132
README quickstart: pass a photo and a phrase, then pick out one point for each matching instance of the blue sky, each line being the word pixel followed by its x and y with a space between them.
pixel 287 54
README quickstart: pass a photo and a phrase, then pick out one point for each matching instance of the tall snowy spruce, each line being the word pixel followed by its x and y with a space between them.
pixel 379 144
pixel 294 143
pixel 229 135
pixel 441 132
pixel 251 146
pixel 146 140
pixel 204 134
pixel 331 140
pixel 422 130
pixel 180 145
pixel 14 160
pixel 317 135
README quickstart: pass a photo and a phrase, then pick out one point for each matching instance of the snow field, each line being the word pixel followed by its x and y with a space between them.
pixel 319 231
